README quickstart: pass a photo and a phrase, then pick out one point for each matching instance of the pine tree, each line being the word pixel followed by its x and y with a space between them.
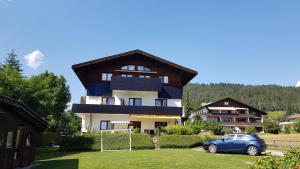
pixel 187 106
pixel 12 61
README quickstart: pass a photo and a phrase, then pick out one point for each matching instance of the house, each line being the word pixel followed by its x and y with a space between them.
pixel 231 113
pixel 289 121
pixel 19 126
pixel 134 89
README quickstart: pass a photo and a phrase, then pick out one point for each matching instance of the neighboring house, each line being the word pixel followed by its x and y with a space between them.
pixel 131 90
pixel 231 113
pixel 289 121
pixel 19 126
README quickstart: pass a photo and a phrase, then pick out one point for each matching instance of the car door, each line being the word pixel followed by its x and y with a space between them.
pixel 225 143
pixel 240 142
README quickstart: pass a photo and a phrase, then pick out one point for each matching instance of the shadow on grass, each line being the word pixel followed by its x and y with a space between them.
pixel 59 164
pixel 47 153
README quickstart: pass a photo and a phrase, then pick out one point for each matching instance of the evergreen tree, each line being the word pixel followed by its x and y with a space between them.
pixel 12 61
pixel 187 106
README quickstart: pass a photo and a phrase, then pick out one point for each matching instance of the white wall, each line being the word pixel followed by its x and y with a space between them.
pixel 146 123
pixel 148 98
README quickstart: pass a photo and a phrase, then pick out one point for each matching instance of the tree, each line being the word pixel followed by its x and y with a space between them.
pixel 12 61
pixel 12 83
pixel 271 126
pixel 49 95
pixel 69 123
pixel 187 106
pixel 250 129
pixel 296 126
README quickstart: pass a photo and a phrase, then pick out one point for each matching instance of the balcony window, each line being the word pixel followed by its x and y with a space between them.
pixel 143 76
pixel 164 79
pixel 106 76
pixel 135 101
pixel 108 100
pixel 9 139
pixel 161 102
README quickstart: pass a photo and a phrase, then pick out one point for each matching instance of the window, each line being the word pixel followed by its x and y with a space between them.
pixel 9 139
pixel 126 75
pixel 1 140
pixel 135 101
pixel 128 67
pixel 164 79
pixel 161 102
pixel 106 125
pixel 228 137
pixel 106 76
pixel 108 100
pixel 143 68
pixel 226 103
pixel 144 76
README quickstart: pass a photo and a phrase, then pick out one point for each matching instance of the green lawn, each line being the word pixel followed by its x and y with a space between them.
pixel 138 159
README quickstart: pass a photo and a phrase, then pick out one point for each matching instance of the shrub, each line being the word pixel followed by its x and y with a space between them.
pixel 228 131
pixel 92 142
pixel 214 127
pixel 271 127
pixel 177 129
pixel 290 160
pixel 250 129
pixel 296 126
pixel 287 130
pixel 136 130
pixel 196 126
pixel 141 141
pixel 180 141
pixel 47 138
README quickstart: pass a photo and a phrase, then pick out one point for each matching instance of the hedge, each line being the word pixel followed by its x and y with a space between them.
pixel 181 141
pixel 47 138
pixel 92 142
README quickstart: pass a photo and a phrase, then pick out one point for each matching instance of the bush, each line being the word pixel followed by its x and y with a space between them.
pixel 296 126
pixel 92 142
pixel 47 138
pixel 181 141
pixel 228 131
pixel 290 160
pixel 271 127
pixel 177 129
pixel 250 129
pixel 287 130
pixel 196 126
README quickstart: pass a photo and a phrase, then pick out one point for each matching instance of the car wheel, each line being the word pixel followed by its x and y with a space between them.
pixel 212 148
pixel 252 150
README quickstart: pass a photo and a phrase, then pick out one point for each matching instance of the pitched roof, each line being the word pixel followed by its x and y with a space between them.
pixel 229 98
pixel 190 72
pixel 294 116
pixel 26 111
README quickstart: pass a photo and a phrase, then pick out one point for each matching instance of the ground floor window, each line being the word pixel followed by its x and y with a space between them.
pixel 106 125
pixel 135 124
pixel 160 124
pixel 9 139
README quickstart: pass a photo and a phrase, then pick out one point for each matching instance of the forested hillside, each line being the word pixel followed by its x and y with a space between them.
pixel 264 97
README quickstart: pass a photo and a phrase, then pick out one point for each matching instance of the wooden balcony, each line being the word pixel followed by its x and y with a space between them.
pixel 242 124
pixel 135 84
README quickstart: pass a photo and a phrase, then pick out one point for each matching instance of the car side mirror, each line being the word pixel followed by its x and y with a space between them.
pixel 223 139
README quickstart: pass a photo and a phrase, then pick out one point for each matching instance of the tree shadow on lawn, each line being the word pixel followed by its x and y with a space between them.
pixel 47 153
pixel 59 164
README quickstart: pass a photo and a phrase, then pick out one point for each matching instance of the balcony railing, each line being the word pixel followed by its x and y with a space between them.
pixel 135 84
pixel 242 124
pixel 122 109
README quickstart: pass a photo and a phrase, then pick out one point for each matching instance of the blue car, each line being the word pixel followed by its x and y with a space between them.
pixel 251 144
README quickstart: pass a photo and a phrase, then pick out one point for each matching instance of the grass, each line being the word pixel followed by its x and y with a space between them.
pixel 281 140
pixel 151 159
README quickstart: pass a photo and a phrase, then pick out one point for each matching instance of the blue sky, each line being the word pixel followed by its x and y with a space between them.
pixel 248 42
